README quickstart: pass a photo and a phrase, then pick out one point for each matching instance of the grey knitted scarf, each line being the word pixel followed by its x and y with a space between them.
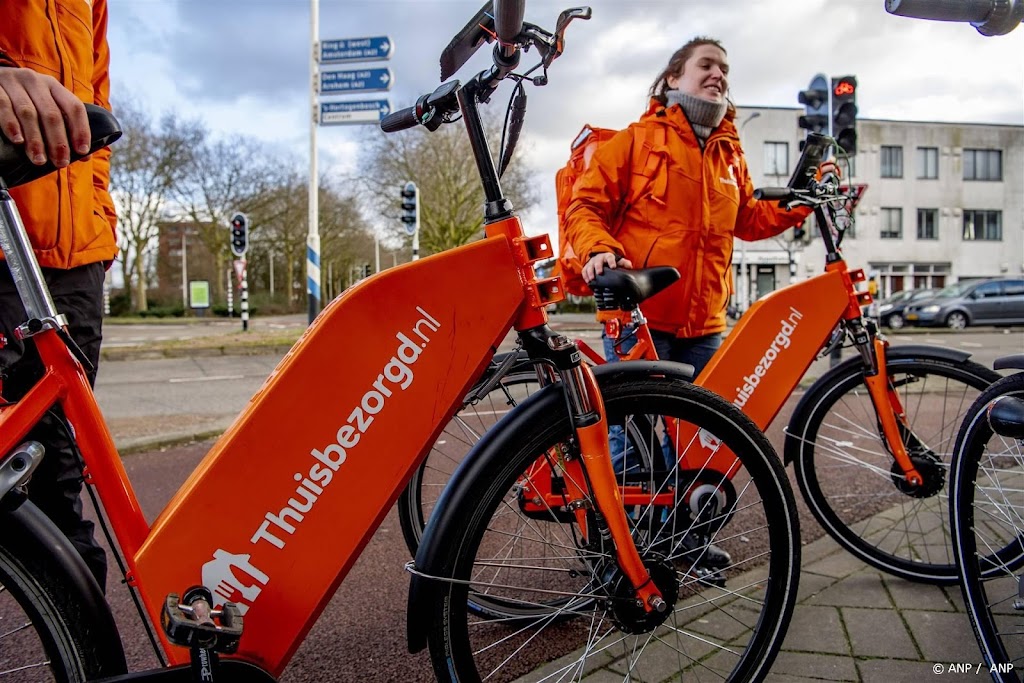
pixel 704 116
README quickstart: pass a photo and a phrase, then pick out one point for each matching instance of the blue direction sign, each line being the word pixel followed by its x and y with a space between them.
pixel 362 111
pixel 361 80
pixel 345 50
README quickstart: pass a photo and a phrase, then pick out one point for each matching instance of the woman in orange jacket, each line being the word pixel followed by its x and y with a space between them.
pixel 698 196
pixel 54 56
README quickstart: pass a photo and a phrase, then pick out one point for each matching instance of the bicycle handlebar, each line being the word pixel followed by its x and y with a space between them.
pixel 400 120
pixel 990 17
pixel 508 20
pixel 773 193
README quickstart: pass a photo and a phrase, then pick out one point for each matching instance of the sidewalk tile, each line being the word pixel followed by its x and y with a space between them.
pixel 812 584
pixel 816 629
pixel 862 589
pixel 828 667
pixel 837 565
pixel 878 633
pixel 943 636
pixel 917 596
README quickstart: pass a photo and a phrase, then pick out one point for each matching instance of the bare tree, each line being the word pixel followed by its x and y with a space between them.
pixel 345 239
pixel 226 176
pixel 441 164
pixel 148 161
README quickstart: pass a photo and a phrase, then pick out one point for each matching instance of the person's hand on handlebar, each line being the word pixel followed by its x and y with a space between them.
pixel 34 109
pixel 598 262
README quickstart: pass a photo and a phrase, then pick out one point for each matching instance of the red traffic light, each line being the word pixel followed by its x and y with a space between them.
pixel 844 88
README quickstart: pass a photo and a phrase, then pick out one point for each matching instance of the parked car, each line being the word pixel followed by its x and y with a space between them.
pixel 979 302
pixel 890 310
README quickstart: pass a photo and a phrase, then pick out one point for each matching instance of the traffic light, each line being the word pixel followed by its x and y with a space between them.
pixel 844 113
pixel 410 207
pixel 366 270
pixel 815 101
pixel 239 234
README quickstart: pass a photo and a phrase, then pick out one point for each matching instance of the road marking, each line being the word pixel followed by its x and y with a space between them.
pixel 212 378
pixel 972 345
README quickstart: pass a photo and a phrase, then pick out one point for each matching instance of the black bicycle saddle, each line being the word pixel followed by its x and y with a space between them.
pixel 623 289
pixel 16 169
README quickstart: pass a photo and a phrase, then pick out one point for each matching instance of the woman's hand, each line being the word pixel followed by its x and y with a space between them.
pixel 34 109
pixel 598 262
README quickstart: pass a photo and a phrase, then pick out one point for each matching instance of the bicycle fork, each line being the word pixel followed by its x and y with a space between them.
pixel 886 401
pixel 586 410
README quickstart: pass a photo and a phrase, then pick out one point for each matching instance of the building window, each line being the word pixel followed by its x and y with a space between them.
pixel 776 158
pixel 892 224
pixel 892 161
pixel 927 224
pixel 983 164
pixel 927 163
pixel 981 225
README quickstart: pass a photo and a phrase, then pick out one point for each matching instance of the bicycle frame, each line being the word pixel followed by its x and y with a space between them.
pixel 274 487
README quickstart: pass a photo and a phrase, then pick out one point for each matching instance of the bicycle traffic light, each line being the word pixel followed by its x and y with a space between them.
pixel 815 101
pixel 239 234
pixel 844 113
pixel 410 207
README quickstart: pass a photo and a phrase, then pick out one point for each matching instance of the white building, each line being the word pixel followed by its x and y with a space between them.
pixel 944 202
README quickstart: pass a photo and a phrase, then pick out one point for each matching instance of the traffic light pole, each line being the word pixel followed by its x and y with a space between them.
pixel 244 304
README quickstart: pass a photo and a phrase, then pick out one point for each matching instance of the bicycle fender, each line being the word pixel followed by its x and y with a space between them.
pixel 909 351
pixel 1014 362
pixel 473 475
pixel 28 527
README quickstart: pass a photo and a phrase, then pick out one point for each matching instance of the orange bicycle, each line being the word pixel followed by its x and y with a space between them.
pixel 245 556
pixel 873 434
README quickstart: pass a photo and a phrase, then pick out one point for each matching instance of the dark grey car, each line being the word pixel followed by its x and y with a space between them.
pixel 979 302
pixel 890 311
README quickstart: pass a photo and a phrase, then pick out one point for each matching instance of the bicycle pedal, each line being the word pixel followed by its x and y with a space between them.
pixel 192 622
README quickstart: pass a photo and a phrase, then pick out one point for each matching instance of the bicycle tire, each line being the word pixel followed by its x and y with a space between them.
pixel 765 563
pixel 987 517
pixel 844 469
pixel 458 437
pixel 47 635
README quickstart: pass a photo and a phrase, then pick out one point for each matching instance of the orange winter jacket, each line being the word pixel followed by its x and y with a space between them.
pixel 69 215
pixel 695 202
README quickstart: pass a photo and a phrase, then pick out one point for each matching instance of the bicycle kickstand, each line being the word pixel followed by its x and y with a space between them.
pixel 191 622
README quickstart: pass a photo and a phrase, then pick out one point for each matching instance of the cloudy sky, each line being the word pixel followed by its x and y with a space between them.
pixel 243 65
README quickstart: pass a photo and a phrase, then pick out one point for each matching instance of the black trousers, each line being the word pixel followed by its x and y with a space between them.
pixel 56 486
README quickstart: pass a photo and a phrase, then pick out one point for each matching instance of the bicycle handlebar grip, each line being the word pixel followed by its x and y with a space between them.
pixel 508 19
pixel 972 11
pixel 770 193
pixel 399 120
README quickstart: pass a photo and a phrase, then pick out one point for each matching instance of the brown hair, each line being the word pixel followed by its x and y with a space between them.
pixel 675 65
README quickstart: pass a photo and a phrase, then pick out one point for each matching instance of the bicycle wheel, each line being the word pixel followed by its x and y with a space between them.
pixel 456 439
pixel 987 492
pixel 846 473
pixel 581 616
pixel 44 635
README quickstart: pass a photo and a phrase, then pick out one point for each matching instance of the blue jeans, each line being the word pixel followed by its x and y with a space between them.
pixel 696 351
